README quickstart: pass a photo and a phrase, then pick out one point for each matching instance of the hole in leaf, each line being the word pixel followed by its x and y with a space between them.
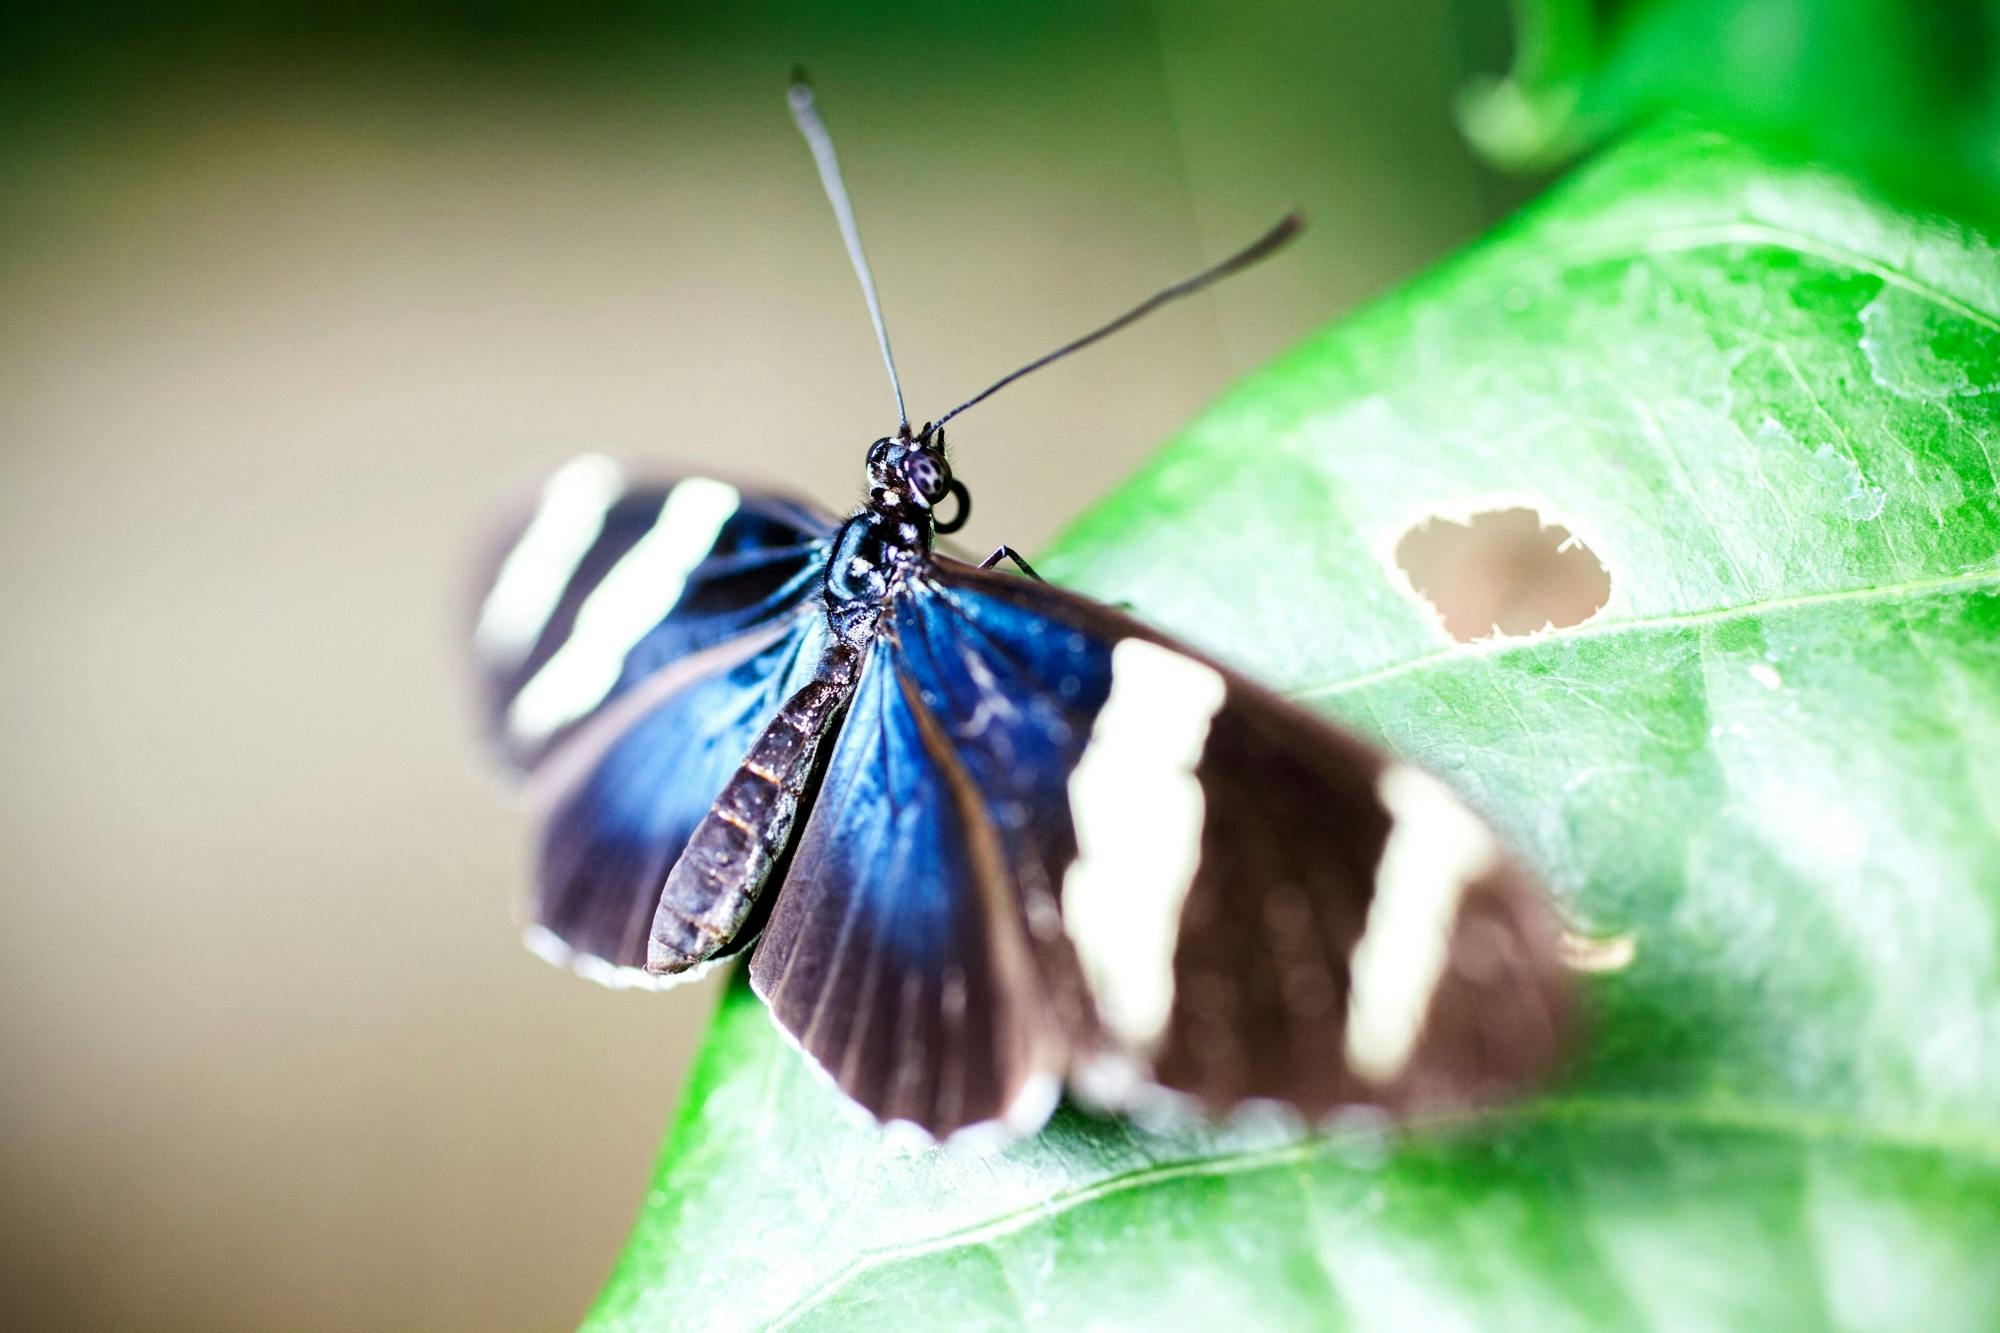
pixel 1503 572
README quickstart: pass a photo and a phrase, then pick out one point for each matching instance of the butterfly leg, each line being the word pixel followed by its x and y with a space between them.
pixel 1009 553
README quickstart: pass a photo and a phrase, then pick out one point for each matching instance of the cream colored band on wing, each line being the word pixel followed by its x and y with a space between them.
pixel 635 596
pixel 1137 807
pixel 569 515
pixel 1436 849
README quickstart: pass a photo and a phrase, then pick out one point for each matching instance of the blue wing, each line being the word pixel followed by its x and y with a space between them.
pixel 915 951
pixel 1052 845
pixel 607 579
pixel 626 794
pixel 633 640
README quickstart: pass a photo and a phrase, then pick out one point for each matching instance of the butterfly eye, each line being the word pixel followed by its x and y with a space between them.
pixel 927 476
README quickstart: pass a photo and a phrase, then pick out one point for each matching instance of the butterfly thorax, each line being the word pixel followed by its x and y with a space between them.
pixel 907 478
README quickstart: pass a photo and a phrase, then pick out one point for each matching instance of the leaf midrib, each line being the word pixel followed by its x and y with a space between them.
pixel 1487 649
pixel 1739 1117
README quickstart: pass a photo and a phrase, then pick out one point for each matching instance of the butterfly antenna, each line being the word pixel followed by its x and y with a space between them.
pixel 806 114
pixel 1264 245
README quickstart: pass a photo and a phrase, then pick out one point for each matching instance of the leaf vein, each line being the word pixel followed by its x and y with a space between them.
pixel 1736 1117
pixel 1490 648
pixel 1709 236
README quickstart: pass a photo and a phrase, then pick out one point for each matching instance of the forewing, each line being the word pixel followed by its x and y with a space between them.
pixel 605 579
pixel 1261 905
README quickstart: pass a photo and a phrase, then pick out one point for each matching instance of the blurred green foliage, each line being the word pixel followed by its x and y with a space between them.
pixel 1903 92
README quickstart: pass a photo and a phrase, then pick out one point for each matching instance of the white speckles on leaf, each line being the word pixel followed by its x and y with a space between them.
pixel 1859 498
pixel 1907 339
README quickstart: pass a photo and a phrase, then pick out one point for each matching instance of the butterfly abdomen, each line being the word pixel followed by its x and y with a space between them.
pixel 711 890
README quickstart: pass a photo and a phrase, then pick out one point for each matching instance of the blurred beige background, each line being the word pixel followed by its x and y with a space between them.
pixel 282 311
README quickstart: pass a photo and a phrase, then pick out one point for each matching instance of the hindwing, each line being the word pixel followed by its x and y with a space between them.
pixel 1053 844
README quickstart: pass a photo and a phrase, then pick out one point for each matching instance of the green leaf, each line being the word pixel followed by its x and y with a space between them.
pixel 1771 406
pixel 1906 94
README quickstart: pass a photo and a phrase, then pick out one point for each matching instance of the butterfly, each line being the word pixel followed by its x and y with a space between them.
pixel 984 839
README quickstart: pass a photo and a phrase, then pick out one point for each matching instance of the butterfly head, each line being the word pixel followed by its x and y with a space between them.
pixel 910 471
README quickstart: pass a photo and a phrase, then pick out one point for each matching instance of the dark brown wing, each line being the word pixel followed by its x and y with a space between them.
pixel 1148 871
